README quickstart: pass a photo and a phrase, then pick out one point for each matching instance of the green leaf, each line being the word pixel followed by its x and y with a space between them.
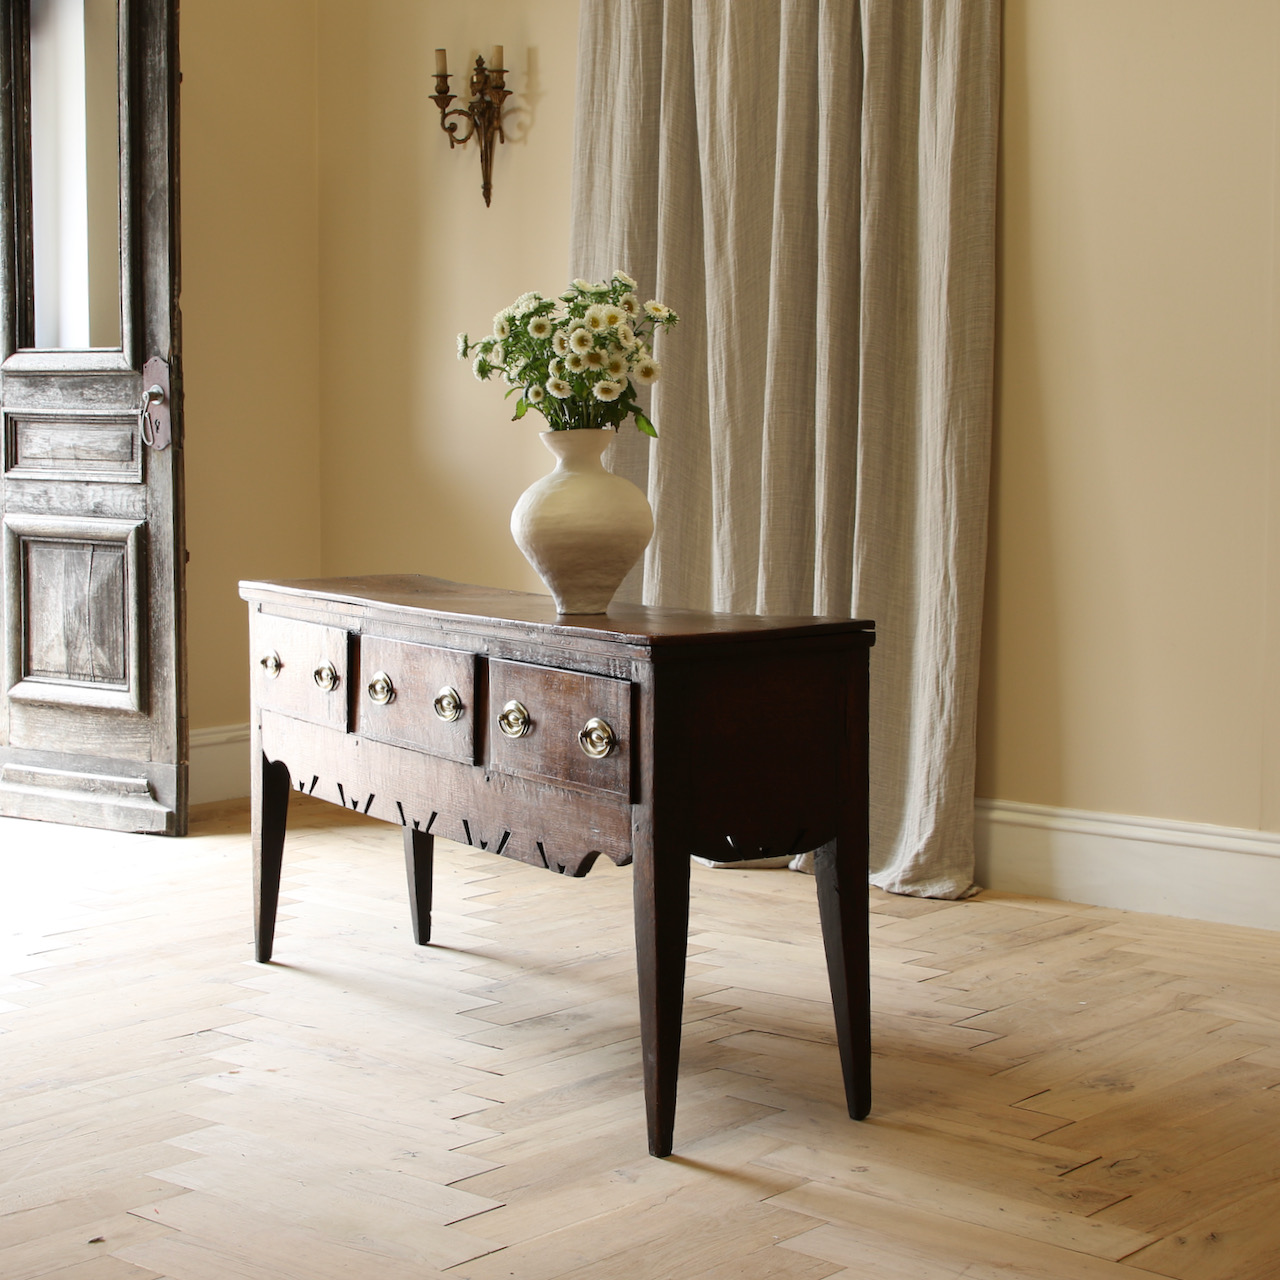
pixel 522 407
pixel 510 391
pixel 645 426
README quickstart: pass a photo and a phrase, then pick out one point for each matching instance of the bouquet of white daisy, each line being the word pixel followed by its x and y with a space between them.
pixel 577 359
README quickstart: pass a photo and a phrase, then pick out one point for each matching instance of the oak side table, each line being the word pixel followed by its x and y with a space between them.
pixel 646 735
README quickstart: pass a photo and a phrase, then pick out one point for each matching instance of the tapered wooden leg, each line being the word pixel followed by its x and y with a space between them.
pixel 661 888
pixel 269 814
pixel 419 849
pixel 842 905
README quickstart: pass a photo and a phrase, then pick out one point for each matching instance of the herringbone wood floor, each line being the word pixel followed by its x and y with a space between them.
pixel 1062 1092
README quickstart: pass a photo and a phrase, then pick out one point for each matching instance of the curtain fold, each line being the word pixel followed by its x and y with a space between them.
pixel 811 185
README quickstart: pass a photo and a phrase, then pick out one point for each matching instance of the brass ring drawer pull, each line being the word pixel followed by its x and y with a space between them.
pixel 597 738
pixel 326 676
pixel 272 665
pixel 448 703
pixel 514 720
pixel 381 690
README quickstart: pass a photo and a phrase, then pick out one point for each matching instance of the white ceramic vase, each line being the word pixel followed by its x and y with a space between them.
pixel 580 526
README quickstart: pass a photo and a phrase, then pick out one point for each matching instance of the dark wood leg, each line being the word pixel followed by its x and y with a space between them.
pixel 661 888
pixel 270 811
pixel 842 904
pixel 419 849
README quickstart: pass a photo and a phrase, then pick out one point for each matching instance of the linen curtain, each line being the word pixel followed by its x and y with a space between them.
pixel 810 184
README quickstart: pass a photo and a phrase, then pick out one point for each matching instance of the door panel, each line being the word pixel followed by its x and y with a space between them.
pixel 93 728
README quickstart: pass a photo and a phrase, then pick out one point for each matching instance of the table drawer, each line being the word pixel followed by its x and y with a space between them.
pixel 299 669
pixel 554 713
pixel 417 696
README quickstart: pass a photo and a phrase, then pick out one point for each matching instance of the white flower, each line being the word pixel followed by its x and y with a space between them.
pixel 525 303
pixel 595 317
pixel 501 326
pixel 481 368
pixel 594 359
pixel 630 304
pixel 583 286
pixel 575 362
pixel 534 394
pixel 559 388
pixel 556 369
pixel 626 336
pixel 463 344
pixel 496 354
pixel 613 316
pixel 560 343
pixel 645 370
pixel 606 390
pixel 616 364
pixel 539 327
pixel 622 278
pixel 598 287
pixel 657 310
pixel 580 340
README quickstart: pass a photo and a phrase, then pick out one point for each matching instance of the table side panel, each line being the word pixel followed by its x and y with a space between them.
pixel 747 750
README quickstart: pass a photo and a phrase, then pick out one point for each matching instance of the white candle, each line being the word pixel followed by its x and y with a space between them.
pixel 442 67
pixel 497 57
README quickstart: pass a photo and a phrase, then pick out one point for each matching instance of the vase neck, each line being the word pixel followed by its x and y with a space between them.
pixel 577 450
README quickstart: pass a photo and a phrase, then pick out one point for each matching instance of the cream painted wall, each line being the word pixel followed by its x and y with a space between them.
pixel 1132 640
pixel 333 245
pixel 250 310
pixel 421 464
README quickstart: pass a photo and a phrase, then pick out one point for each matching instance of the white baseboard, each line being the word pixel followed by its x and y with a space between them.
pixel 219 763
pixel 1201 872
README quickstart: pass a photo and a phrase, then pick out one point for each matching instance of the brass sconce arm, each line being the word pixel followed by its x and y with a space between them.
pixel 481 117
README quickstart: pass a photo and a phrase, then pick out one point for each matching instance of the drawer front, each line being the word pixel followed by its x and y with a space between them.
pixel 415 696
pixel 560 705
pixel 299 669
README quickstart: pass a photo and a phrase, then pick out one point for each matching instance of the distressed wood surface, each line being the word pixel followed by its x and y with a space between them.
pixel 99 630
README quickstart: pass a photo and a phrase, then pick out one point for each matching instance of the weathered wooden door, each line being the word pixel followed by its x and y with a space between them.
pixel 93 727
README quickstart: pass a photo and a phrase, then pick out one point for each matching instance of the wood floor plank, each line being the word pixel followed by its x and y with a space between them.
pixel 1061 1092
pixel 855 1224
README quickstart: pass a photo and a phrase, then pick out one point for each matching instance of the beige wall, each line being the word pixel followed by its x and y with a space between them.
pixel 422 464
pixel 1132 641
pixel 249 309
pixel 333 247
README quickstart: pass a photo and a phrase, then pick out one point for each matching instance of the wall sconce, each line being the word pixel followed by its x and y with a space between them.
pixel 483 113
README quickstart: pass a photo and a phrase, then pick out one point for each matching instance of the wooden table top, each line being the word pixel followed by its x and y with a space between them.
pixel 624 623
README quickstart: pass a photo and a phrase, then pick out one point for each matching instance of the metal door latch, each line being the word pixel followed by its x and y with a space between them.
pixel 153 417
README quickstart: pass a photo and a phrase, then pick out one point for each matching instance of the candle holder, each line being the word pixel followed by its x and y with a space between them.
pixel 481 117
